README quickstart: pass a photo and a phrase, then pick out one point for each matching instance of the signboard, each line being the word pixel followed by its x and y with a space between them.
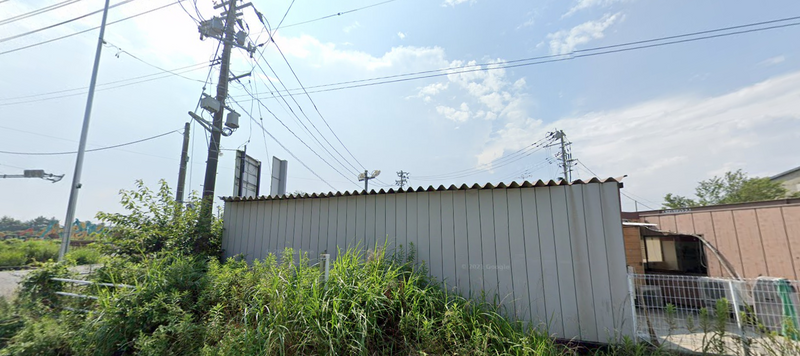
pixel 247 176
pixel 279 169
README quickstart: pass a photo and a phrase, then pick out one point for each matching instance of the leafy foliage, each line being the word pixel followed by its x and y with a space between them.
pixel 733 187
pixel 156 223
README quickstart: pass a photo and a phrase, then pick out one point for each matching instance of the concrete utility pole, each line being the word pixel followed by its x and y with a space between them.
pixel 566 156
pixel 184 162
pixel 403 179
pixel 366 177
pixel 76 179
pixel 210 181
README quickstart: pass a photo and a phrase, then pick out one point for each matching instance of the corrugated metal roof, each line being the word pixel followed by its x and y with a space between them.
pixel 525 184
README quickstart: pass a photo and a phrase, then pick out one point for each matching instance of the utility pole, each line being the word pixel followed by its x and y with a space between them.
pixel 566 155
pixel 76 178
pixel 403 179
pixel 184 162
pixel 229 36
pixel 366 177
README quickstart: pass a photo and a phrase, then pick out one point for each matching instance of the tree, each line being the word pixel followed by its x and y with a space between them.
pixel 733 187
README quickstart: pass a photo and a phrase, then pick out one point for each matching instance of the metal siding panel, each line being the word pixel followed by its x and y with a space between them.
pixel 297 230
pixel 519 256
pixel 227 229
pixel 704 226
pixel 266 218
pixel 436 255
pixel 341 225
pixel 305 243
pixel 360 230
pixel 333 226
pixel 791 221
pixel 475 264
pixel 400 235
pixel 488 238
pixel 285 227
pixel 727 244
pixel 274 228
pixel 324 230
pixel 448 240
pixel 598 262
pixel 253 235
pixel 258 251
pixel 615 259
pixel 371 228
pixel 684 223
pixel 584 283
pixel 410 244
pixel 423 239
pixel 241 235
pixel 668 223
pixel 566 275
pixel 380 221
pixel 314 249
pixel 543 282
pixel 750 246
pixel 462 242
pixel 391 222
pixel 502 243
pixel 350 232
pixel 776 245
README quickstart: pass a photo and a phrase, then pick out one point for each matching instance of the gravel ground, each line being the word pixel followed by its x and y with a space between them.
pixel 10 279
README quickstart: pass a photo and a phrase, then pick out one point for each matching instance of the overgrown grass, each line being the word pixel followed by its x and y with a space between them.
pixel 19 253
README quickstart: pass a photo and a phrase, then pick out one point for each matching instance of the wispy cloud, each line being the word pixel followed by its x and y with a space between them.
pixel 453 3
pixel 351 27
pixel 401 35
pixel 773 61
pixel 460 114
pixel 586 4
pixel 565 41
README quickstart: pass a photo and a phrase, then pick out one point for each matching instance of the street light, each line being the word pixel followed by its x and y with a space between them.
pixel 366 177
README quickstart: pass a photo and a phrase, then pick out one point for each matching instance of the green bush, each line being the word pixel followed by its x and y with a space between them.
pixel 12 258
pixel 85 255
pixel 40 250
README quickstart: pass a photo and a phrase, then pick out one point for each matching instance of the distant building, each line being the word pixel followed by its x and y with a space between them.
pixel 790 179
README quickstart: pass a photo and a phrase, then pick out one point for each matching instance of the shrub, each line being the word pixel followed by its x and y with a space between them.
pixel 12 258
pixel 85 255
pixel 40 250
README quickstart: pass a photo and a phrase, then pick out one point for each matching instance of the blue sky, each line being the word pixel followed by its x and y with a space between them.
pixel 667 117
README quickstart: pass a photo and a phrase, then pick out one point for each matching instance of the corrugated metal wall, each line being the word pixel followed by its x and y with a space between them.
pixel 757 241
pixel 554 254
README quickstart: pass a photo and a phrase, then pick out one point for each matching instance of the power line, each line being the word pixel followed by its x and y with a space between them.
pixel 338 14
pixel 89 29
pixel 61 23
pixel 621 192
pixel 36 12
pixel 150 64
pixel 89 150
pixel 294 134
pixel 282 146
pixel 549 58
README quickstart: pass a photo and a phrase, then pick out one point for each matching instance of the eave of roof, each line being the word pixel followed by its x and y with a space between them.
pixel 525 184
pixel 785 173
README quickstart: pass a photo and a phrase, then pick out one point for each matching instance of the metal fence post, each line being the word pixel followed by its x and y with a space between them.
pixel 737 313
pixel 632 291
pixel 325 258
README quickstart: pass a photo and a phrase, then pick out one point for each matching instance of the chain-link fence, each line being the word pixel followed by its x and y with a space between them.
pixel 718 315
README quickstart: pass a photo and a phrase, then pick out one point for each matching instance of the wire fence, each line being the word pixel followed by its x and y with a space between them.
pixel 718 315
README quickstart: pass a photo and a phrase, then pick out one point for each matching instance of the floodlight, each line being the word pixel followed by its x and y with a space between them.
pixel 375 173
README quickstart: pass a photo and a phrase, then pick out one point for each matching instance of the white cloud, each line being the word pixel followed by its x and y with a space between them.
pixel 458 115
pixel 667 145
pixel 773 61
pixel 565 41
pixel 530 22
pixel 585 4
pixel 453 3
pixel 401 35
pixel 351 27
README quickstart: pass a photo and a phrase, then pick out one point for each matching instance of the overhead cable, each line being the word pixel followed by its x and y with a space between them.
pixel 39 11
pixel 89 150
